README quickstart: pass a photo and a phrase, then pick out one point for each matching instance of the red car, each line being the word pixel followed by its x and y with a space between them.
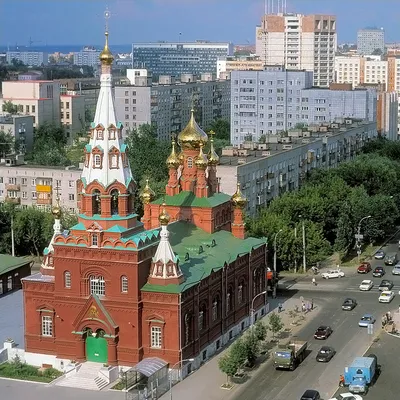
pixel 364 268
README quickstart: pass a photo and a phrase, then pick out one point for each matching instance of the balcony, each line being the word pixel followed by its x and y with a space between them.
pixel 12 186
pixel 43 188
pixel 46 201
pixel 13 200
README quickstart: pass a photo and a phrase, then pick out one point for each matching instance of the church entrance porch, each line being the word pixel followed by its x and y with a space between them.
pixel 96 347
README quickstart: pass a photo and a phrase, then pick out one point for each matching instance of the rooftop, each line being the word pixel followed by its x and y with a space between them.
pixel 188 199
pixel 201 253
pixel 9 263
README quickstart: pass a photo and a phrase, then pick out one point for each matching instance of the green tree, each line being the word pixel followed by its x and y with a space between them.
pixel 6 143
pixel 275 324
pixel 75 152
pixel 252 348
pixel 10 108
pixel 222 129
pixel 238 352
pixel 260 330
pixel 345 230
pixel 228 366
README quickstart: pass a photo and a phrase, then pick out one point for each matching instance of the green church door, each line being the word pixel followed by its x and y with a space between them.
pixel 96 349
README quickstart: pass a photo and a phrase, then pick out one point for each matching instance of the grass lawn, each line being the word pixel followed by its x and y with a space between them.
pixel 19 370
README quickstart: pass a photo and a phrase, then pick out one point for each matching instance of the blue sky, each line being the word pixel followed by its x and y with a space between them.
pixel 81 22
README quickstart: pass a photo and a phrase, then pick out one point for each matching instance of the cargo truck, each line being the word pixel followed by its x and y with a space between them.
pixel 289 356
pixel 359 375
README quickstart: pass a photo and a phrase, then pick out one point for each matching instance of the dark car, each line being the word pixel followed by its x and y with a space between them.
pixel 311 395
pixel 364 268
pixel 391 259
pixel 378 272
pixel 325 354
pixel 349 304
pixel 385 285
pixel 323 332
pixel 380 255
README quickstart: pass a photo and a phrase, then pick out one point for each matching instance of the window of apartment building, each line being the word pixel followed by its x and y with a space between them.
pixel 12 194
pixel 133 101
pixel 134 93
pixel 126 116
pixel 33 109
pixel 67 115
pixel 71 184
pixel 71 197
pixel 67 105
pixel 12 181
pixel 280 82
pixel 47 325
pixel 279 90
pixel 34 195
pixel 126 101
pixel 24 195
pixel 27 109
pixel 133 116
pixel 126 108
pixel 24 181
pixel 134 109
pixel 156 337
pixel 126 93
pixel 33 182
pixel 20 108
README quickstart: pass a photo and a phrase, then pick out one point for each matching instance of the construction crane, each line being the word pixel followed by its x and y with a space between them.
pixel 33 41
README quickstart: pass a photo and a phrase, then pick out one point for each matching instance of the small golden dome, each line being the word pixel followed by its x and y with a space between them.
pixel 173 161
pixel 164 217
pixel 181 157
pixel 238 200
pixel 212 156
pixel 106 56
pixel 201 160
pixel 147 195
pixel 192 136
pixel 56 210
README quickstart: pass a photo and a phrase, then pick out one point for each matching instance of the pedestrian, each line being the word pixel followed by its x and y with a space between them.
pixel 312 304
pixel 303 307
pixel 383 322
pixel 389 316
pixel 280 308
pixel 314 282
pixel 308 307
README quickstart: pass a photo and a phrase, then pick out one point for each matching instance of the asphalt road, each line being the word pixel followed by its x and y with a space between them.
pixel 348 339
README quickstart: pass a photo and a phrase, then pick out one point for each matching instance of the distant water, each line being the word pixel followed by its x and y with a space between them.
pixel 118 48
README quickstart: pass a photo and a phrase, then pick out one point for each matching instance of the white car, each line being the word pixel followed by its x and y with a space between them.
pixel 386 296
pixel 333 273
pixel 348 396
pixel 366 285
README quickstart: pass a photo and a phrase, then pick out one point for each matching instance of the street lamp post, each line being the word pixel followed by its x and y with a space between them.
pixel 252 308
pixel 358 237
pixel 275 280
pixel 170 374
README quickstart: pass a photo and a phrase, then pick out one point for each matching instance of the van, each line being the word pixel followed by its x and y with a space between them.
pixel 391 259
pixel 311 394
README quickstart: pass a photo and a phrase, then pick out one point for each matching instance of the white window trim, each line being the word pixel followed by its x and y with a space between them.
pixel 47 325
pixel 156 337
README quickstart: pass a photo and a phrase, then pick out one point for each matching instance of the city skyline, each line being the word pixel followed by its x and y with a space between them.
pixel 180 20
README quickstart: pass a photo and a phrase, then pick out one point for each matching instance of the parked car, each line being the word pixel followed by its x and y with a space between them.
pixel 396 269
pixel 366 320
pixel 333 273
pixel 378 272
pixel 386 296
pixel 380 255
pixel 385 285
pixel 391 259
pixel 347 396
pixel 364 268
pixel 366 285
pixel 325 354
pixel 323 332
pixel 310 394
pixel 349 304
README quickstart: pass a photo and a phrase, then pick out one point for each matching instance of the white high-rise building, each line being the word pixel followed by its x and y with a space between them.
pixel 301 42
pixel 371 41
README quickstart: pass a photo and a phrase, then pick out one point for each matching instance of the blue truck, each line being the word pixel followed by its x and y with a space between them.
pixel 359 375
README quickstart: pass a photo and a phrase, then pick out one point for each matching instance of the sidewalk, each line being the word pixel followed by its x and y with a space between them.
pixel 205 383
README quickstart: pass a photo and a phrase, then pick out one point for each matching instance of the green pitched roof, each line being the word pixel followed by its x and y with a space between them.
pixel 9 263
pixel 78 227
pixel 188 199
pixel 115 217
pixel 88 148
pixel 123 148
pixel 187 238
pixel 116 228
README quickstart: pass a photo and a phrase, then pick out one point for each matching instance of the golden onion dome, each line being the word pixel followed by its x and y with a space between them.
pixel 181 157
pixel 164 217
pixel 173 161
pixel 238 200
pixel 147 195
pixel 56 210
pixel 201 160
pixel 213 158
pixel 192 136
pixel 106 57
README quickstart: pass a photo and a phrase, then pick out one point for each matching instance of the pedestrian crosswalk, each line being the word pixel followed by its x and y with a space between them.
pixel 374 289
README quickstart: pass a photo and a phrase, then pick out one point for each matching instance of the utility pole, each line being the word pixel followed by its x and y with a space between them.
pixel 275 277
pixel 295 260
pixel 304 248
pixel 12 235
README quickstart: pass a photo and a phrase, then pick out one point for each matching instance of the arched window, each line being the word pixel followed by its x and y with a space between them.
pixel 97 161
pixel 124 284
pixel 97 285
pixel 241 292
pixel 114 161
pixel 96 202
pixel 215 309
pixel 94 240
pixel 114 202
pixel 202 321
pixel 229 300
pixel 190 162
pixel 257 281
pixel 67 280
pixel 188 328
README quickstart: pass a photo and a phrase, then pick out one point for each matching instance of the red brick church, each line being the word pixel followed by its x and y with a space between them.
pixel 176 285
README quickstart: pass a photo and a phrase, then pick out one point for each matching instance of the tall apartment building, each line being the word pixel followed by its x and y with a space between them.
pixel 371 40
pixel 72 114
pixel 296 41
pixel 387 115
pixel 21 128
pixel 266 171
pixel 88 56
pixel 40 99
pixel 359 70
pixel 28 185
pixel 275 100
pixel 167 104
pixel 30 58
pixel 167 58
pixel 227 65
